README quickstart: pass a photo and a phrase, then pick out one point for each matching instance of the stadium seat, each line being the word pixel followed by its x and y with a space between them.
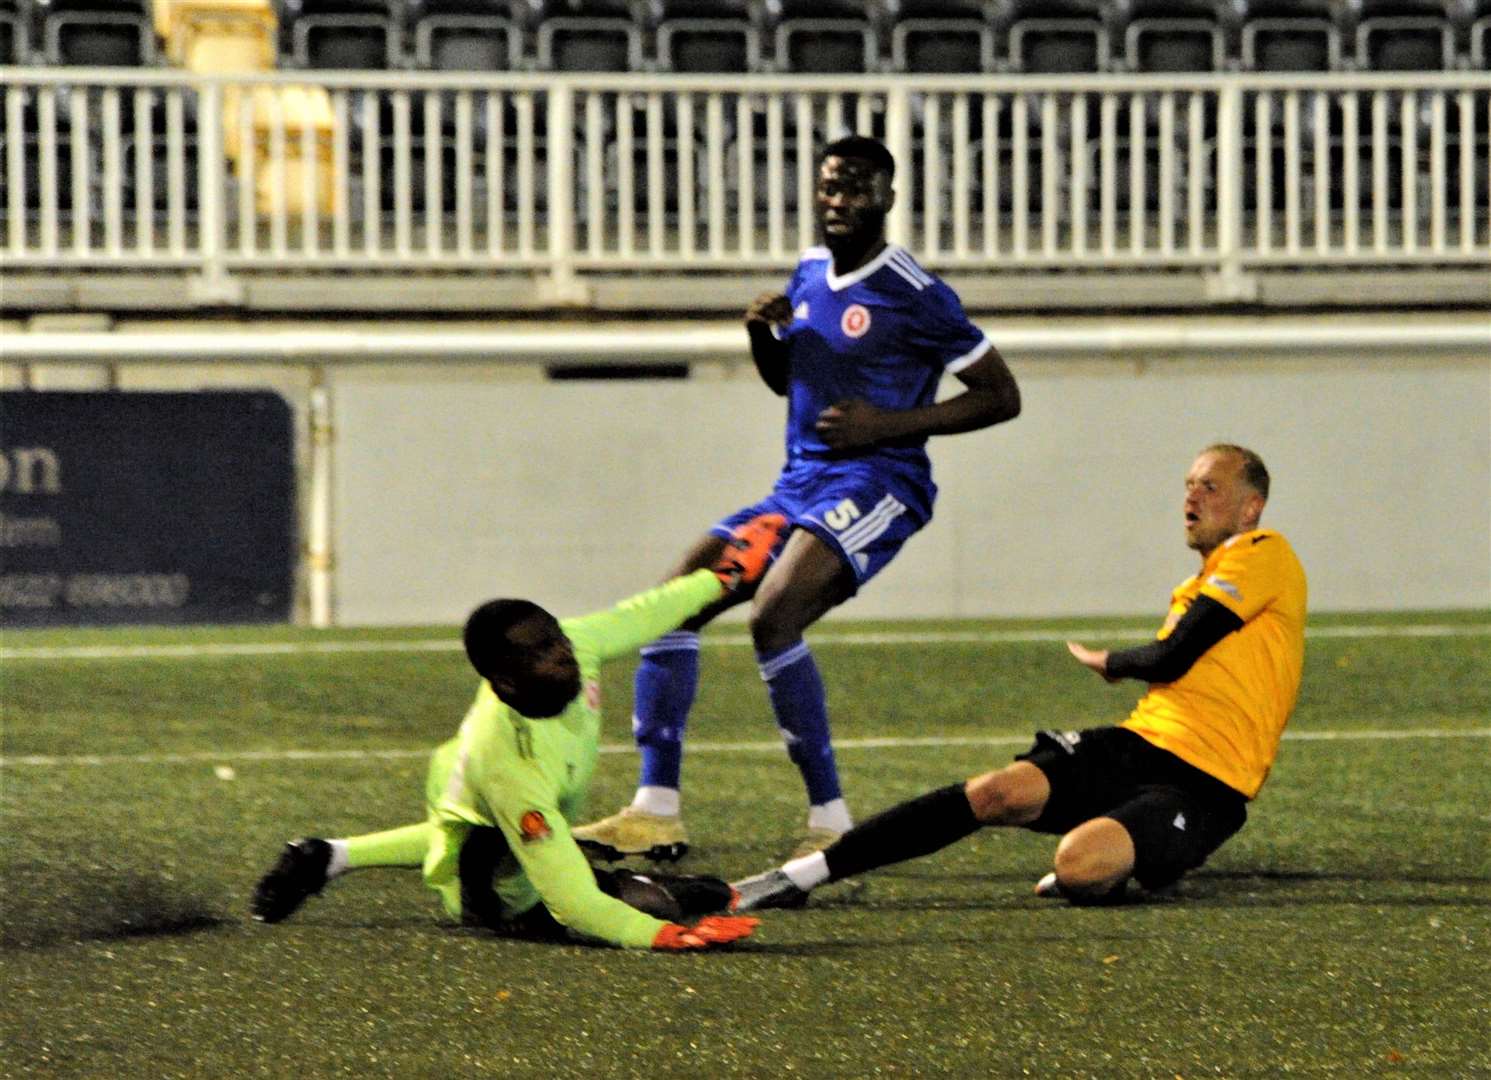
pixel 708 36
pixel 15 34
pixel 1403 35
pixel 590 35
pixel 1290 35
pixel 1174 36
pixel 1056 36
pixel 826 37
pixel 1478 35
pixel 342 35
pixel 466 35
pixel 97 33
pixel 942 36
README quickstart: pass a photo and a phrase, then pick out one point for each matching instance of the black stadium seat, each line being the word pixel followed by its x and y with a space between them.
pixel 1290 35
pixel 1403 35
pixel 1175 35
pixel 1057 36
pixel 942 36
pixel 709 36
pixel 342 35
pixel 465 35
pixel 15 34
pixel 590 35
pixel 826 37
pixel 96 33
pixel 1476 25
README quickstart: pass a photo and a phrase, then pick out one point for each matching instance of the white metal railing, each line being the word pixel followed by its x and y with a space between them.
pixel 572 174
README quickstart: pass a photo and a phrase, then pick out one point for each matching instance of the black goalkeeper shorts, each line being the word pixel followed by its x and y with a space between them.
pixel 1176 814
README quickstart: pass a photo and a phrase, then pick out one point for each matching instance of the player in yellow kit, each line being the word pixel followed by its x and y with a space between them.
pixel 1153 797
pixel 496 843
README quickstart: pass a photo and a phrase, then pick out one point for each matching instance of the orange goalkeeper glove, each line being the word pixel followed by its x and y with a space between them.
pixel 708 931
pixel 747 553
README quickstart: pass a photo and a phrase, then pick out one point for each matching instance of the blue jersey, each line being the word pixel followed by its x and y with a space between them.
pixel 884 333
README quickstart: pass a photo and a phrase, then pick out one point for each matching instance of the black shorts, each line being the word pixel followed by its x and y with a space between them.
pixel 1176 814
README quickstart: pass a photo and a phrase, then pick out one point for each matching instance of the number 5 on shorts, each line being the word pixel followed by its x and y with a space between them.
pixel 842 516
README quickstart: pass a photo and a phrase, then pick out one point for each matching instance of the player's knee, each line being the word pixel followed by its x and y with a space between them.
pixel 1094 858
pixel 1007 796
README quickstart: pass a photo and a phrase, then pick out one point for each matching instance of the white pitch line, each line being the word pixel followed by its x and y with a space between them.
pixel 877 637
pixel 886 742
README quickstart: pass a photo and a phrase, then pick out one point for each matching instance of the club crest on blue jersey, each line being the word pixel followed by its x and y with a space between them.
pixel 855 321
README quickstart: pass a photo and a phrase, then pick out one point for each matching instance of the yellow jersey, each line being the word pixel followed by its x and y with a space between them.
pixel 1226 714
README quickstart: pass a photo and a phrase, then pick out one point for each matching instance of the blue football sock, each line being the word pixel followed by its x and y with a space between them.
pixel 666 682
pixel 796 692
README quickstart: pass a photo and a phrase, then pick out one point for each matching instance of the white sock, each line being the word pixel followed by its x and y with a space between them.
pixel 338 864
pixel 830 815
pixel 808 872
pixel 663 801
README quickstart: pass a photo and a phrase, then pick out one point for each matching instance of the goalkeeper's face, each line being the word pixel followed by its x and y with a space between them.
pixel 543 677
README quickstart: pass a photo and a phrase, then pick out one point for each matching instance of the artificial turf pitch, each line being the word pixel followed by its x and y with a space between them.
pixel 1345 932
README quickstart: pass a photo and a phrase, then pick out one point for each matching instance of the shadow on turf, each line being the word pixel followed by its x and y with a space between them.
pixel 98 905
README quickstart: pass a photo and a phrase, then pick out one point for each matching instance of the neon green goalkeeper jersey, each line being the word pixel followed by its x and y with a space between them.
pixel 529 777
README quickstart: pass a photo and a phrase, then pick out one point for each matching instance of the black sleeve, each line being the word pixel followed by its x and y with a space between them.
pixel 1205 623
pixel 770 355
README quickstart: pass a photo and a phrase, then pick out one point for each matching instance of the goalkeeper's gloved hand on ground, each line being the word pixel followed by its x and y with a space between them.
pixel 747 553
pixel 707 932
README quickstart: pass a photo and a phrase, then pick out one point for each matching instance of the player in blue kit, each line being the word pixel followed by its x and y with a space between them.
pixel 858 345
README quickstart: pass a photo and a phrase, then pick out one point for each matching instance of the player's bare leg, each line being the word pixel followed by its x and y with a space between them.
pixel 807 581
pixel 1092 862
pixel 1013 795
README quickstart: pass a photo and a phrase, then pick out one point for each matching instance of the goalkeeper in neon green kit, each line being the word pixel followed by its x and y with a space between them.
pixel 496 845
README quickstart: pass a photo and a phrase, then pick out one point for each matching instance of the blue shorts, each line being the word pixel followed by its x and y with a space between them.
pixel 862 511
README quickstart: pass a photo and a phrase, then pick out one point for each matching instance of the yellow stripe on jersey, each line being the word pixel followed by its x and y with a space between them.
pixel 1226 714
